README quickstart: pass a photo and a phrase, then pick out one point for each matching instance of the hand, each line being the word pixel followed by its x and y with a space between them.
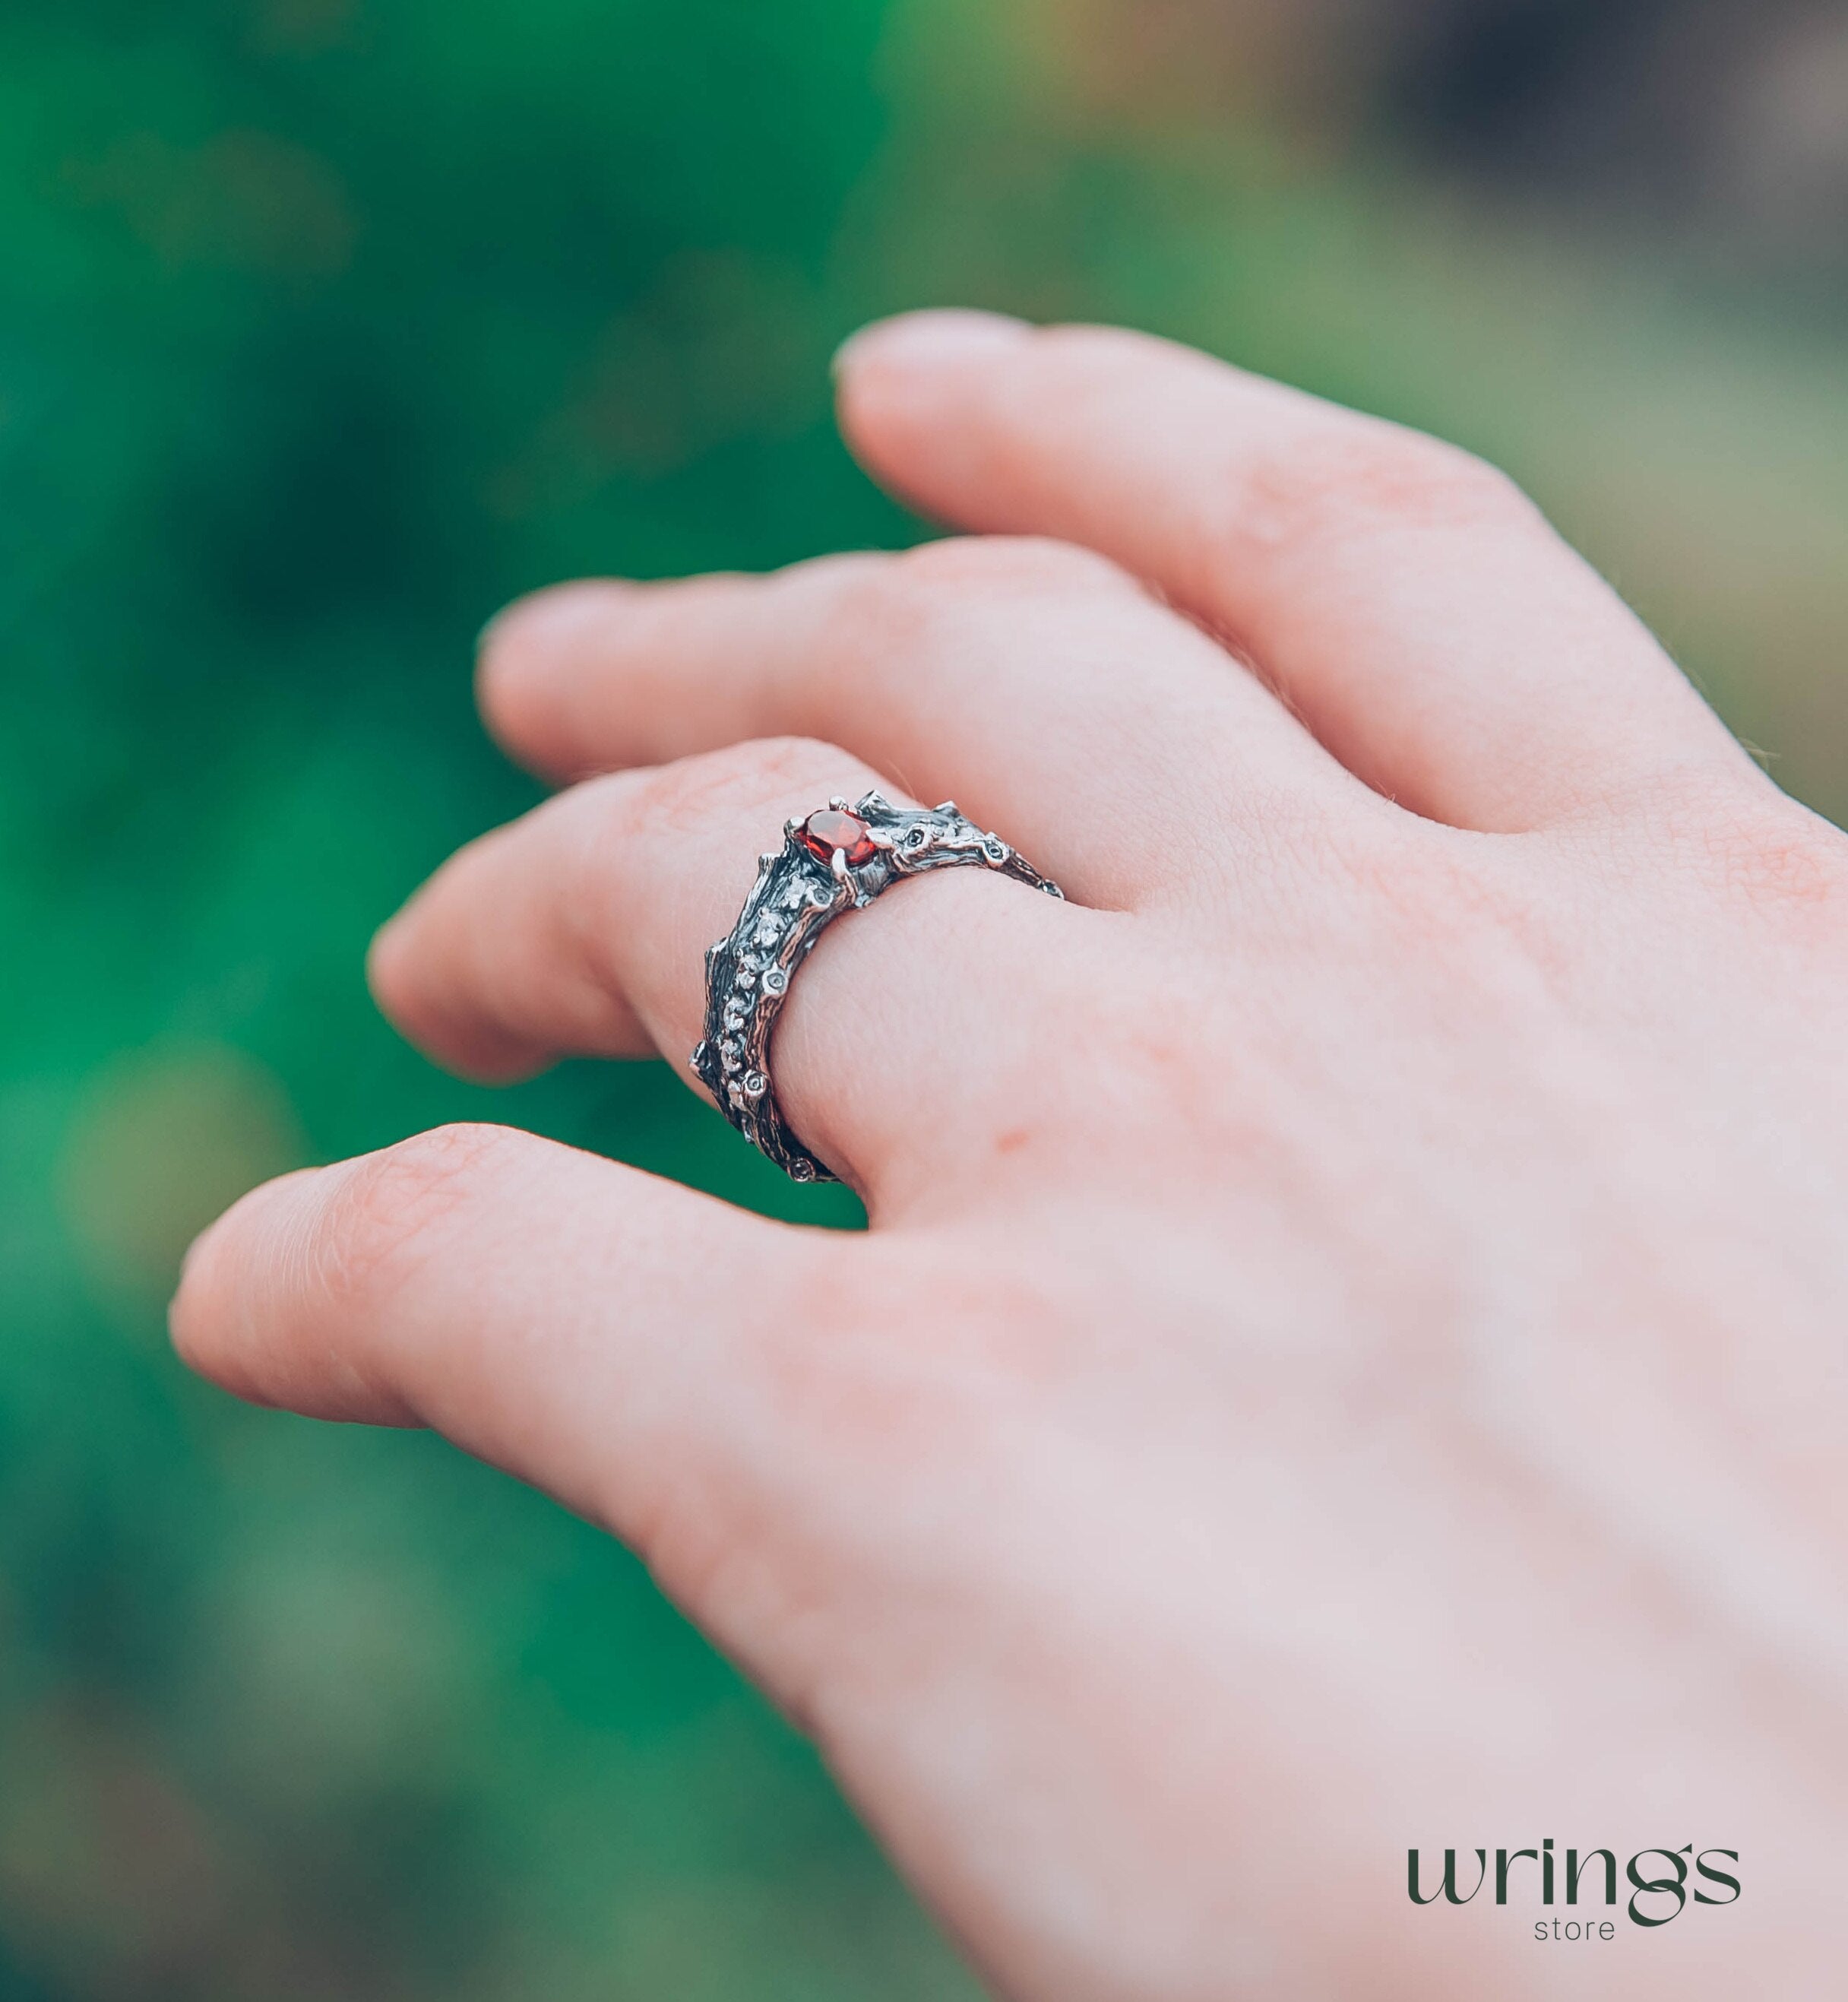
pixel 1349 1353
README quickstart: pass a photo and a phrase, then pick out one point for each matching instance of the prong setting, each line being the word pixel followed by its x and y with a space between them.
pixel 836 860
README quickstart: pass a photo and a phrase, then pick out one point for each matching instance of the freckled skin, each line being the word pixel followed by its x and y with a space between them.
pixel 1348 1356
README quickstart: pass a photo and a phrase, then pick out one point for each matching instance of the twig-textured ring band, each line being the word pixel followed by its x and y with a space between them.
pixel 837 859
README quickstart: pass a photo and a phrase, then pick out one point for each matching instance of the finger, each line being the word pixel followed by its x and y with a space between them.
pixel 582 928
pixel 627 1377
pixel 1034 682
pixel 1409 602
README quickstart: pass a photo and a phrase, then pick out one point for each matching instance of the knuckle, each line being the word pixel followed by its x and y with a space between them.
pixel 1489 928
pixel 1442 905
pixel 824 576
pixel 683 797
pixel 393 1210
pixel 999 1324
pixel 1004 566
pixel 1368 473
pixel 920 600
pixel 1775 854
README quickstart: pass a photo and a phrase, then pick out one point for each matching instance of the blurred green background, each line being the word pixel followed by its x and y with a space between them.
pixel 326 326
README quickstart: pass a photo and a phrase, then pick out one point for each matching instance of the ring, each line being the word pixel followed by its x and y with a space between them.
pixel 837 859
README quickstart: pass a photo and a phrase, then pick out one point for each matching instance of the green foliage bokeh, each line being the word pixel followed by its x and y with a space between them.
pixel 325 328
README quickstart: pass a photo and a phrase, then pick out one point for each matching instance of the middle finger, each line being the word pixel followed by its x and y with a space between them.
pixel 1035 683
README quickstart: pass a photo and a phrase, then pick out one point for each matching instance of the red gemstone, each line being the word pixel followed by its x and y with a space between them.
pixel 830 832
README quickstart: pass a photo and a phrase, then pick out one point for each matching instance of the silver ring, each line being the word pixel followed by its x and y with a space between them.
pixel 837 860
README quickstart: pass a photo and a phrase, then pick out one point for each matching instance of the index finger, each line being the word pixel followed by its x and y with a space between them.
pixel 588 1327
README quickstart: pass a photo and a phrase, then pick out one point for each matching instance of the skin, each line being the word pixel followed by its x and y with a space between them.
pixel 1349 1353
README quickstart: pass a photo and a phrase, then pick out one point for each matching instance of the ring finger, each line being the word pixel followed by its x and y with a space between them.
pixel 582 930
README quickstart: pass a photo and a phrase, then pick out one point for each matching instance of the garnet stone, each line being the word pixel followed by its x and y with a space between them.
pixel 830 832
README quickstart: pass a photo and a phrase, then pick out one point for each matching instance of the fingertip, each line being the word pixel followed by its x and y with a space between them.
pixel 527 663
pixel 391 978
pixel 900 367
pixel 385 961
pixel 185 1318
pixel 253 1289
pixel 932 338
pixel 473 1050
pixel 205 1317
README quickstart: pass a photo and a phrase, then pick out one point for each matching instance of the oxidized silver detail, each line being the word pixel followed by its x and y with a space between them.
pixel 796 896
